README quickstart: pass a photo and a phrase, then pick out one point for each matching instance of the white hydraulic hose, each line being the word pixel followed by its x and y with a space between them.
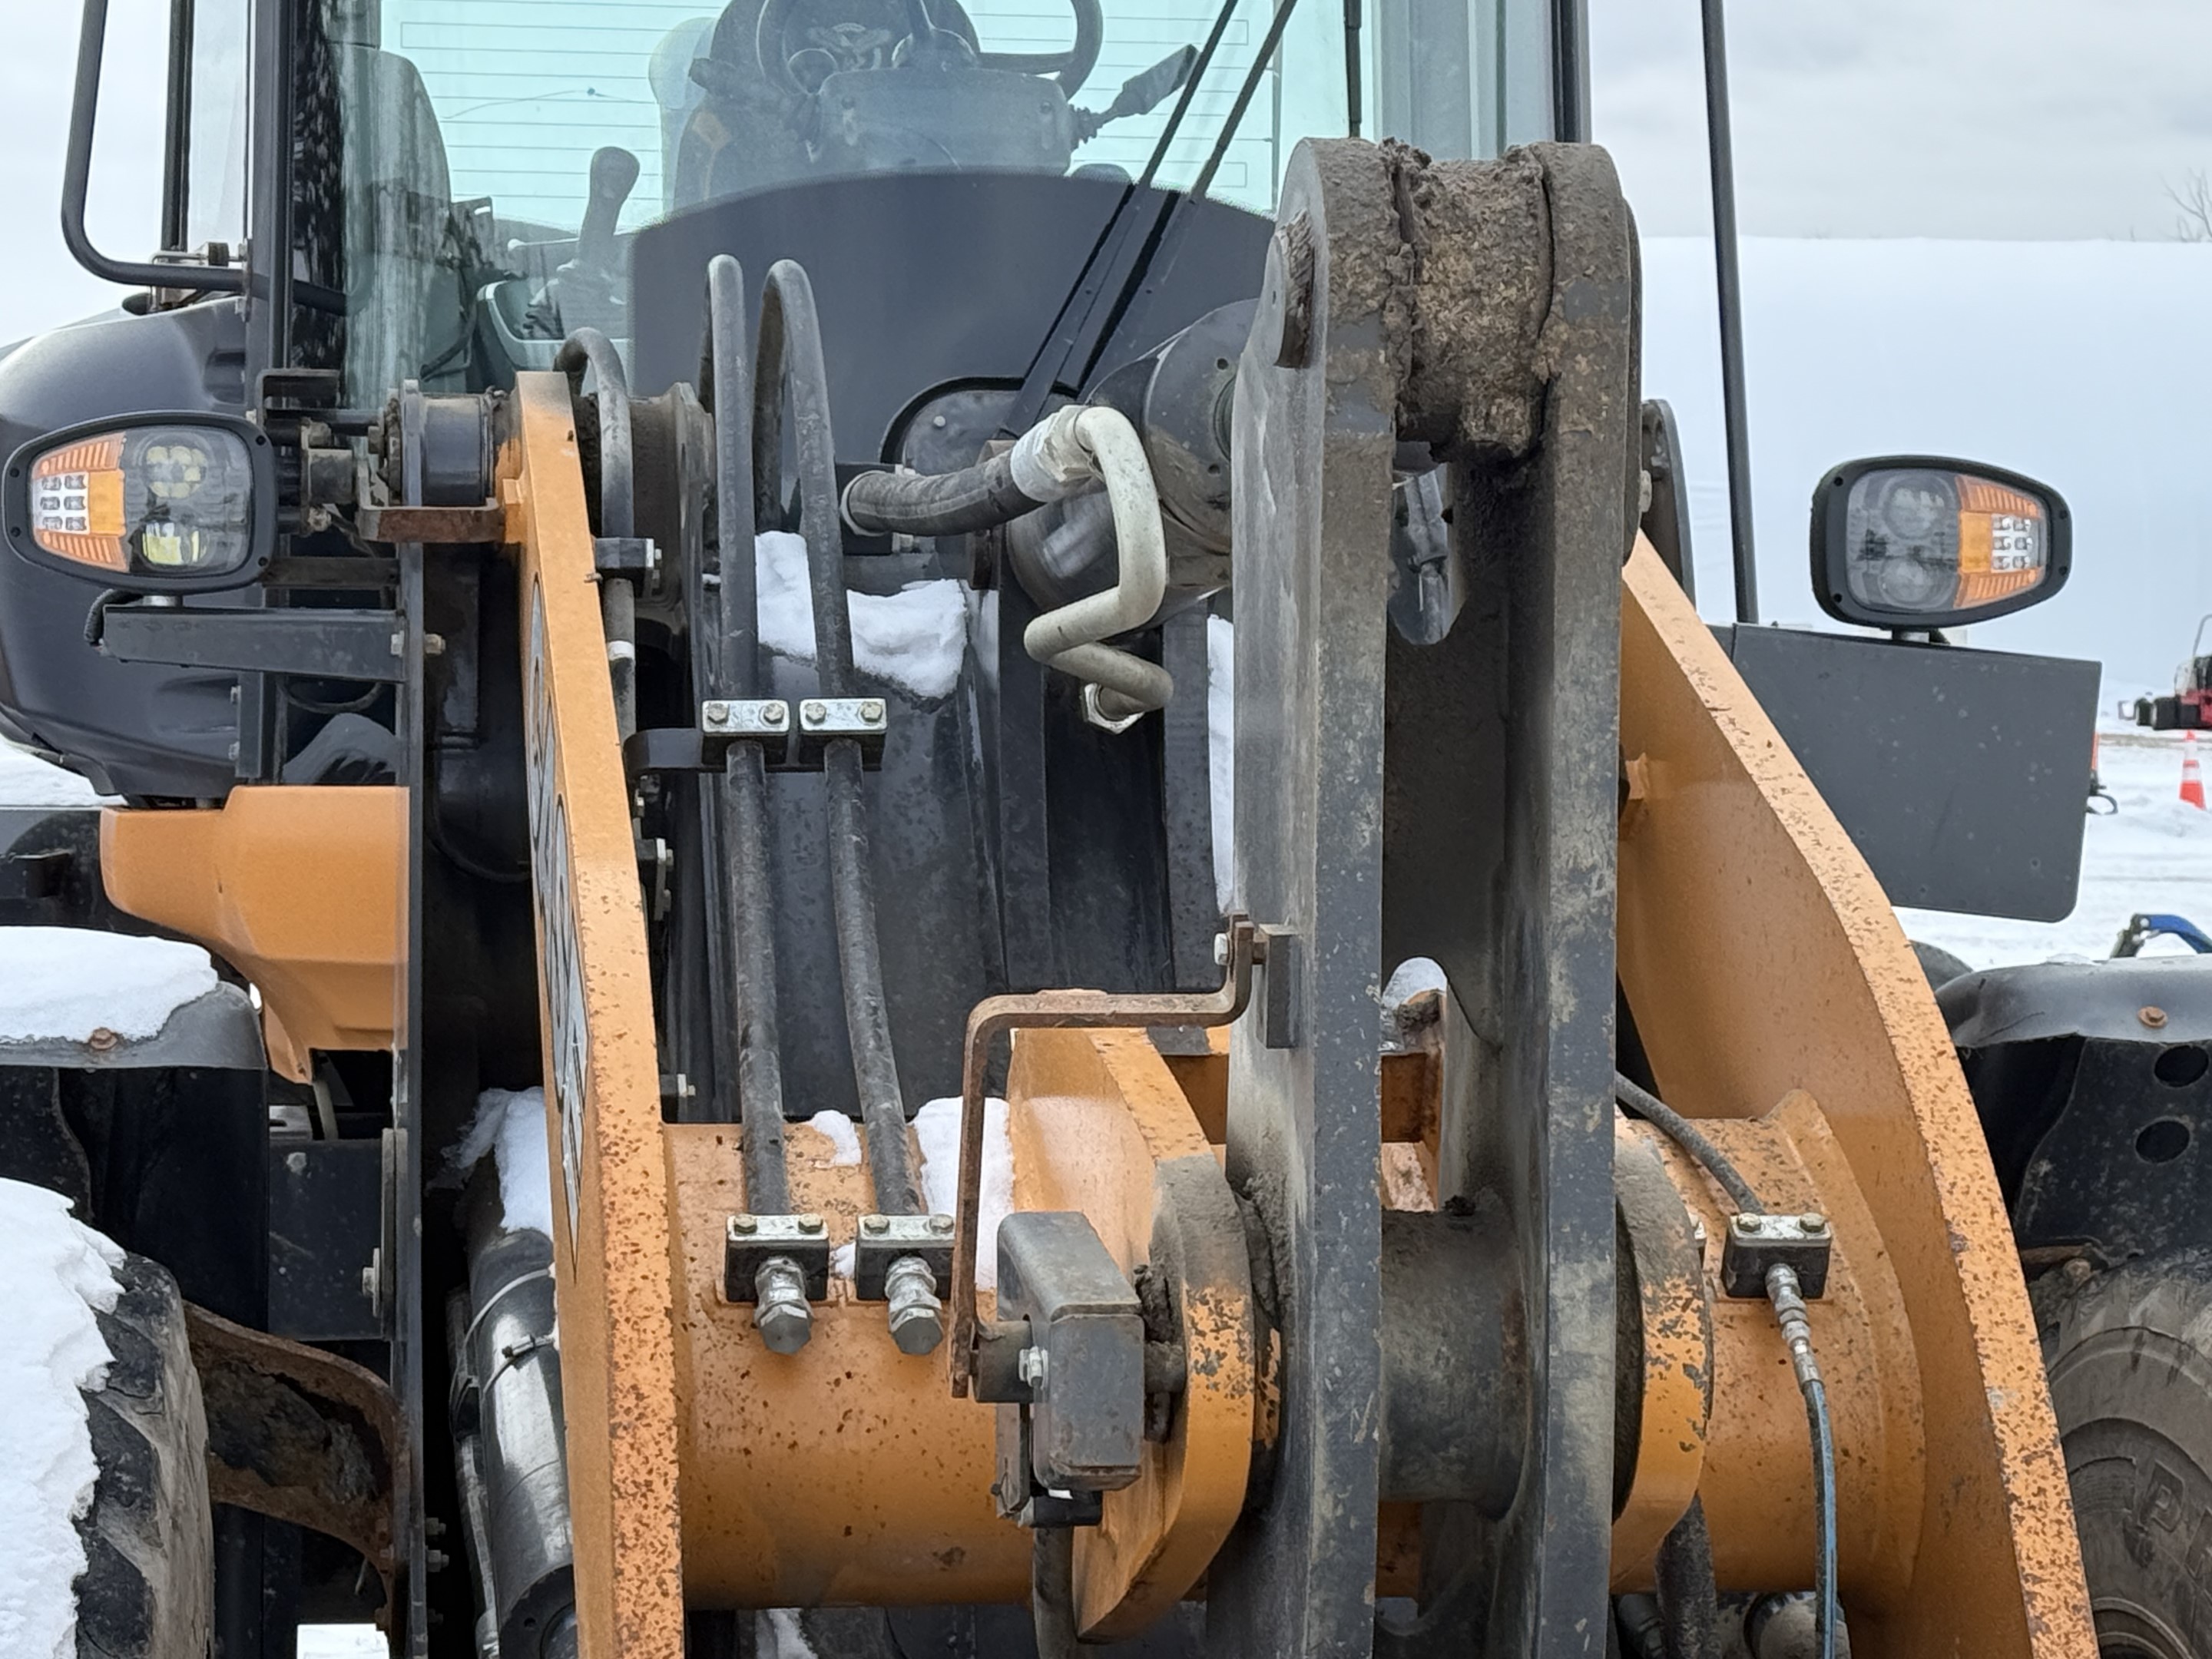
pixel 1060 457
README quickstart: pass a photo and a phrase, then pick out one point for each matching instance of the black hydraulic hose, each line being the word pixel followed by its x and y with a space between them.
pixel 788 364
pixel 752 973
pixel 1787 1296
pixel 589 349
pixel 978 497
pixel 1686 1135
pixel 735 672
pixel 731 394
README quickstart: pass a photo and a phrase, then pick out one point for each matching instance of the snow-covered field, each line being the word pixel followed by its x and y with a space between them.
pixel 2153 854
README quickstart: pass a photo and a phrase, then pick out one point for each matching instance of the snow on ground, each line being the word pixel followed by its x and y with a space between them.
pixel 58 1272
pixel 511 1127
pixel 2153 854
pixel 62 984
pixel 27 780
pixel 936 1132
pixel 914 638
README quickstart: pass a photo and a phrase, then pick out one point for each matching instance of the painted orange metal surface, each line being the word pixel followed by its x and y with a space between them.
pixel 846 1474
pixel 614 1254
pixel 1756 1471
pixel 1100 1124
pixel 299 889
pixel 1674 1315
pixel 1759 957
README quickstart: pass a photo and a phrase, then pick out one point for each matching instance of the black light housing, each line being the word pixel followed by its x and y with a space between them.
pixel 1928 542
pixel 158 503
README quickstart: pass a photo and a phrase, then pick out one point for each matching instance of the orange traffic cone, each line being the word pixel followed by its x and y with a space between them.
pixel 2192 779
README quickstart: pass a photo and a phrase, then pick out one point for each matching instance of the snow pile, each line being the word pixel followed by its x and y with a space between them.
pixel 915 638
pixel 844 1140
pixel 1221 753
pixel 511 1127
pixel 2153 854
pixel 27 780
pixel 936 1132
pixel 59 1273
pixel 63 984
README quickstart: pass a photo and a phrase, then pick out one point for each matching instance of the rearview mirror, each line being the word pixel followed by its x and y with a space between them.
pixel 1922 542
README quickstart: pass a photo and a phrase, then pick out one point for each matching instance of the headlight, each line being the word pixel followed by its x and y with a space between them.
pixel 171 503
pixel 1919 542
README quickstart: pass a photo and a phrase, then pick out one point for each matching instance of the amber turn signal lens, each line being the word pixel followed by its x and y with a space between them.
pixel 1915 542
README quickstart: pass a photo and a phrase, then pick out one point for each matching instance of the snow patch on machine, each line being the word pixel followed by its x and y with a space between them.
pixel 27 780
pixel 936 1132
pixel 58 1274
pixel 64 984
pixel 510 1125
pixel 915 638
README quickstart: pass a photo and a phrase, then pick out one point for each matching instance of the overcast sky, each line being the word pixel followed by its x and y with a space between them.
pixel 2003 118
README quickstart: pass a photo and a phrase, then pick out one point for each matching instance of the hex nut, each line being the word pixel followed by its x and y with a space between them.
pixel 784 1325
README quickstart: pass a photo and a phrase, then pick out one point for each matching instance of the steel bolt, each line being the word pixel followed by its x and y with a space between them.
pixel 435 1561
pixel 874 1224
pixel 940 1224
pixel 917 1317
pixel 1812 1222
pixel 744 1223
pixel 102 1040
pixel 811 713
pixel 714 712
pixel 773 714
pixel 809 1222
pixel 296 1162
pixel 780 1310
pixel 2077 1270
pixel 872 711
pixel 2153 1017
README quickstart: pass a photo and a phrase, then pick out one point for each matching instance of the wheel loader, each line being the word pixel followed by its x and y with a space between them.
pixel 974 883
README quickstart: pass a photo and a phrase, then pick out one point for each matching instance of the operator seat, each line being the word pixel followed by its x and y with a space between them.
pixel 743 132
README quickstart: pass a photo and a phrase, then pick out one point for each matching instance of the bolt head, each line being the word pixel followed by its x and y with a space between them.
pixel 1744 1224
pixel 940 1224
pixel 1812 1222
pixel 872 711
pixel 811 713
pixel 2076 1270
pixel 296 1162
pixel 918 1330
pixel 874 1226
pixel 784 1325
pixel 2152 1017
pixel 745 1223
pixel 773 715
pixel 714 712
pixel 809 1222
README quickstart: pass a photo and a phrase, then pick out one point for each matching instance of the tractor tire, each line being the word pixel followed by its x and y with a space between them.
pixel 147 1589
pixel 2129 1358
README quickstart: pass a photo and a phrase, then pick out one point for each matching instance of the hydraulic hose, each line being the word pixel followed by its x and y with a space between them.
pixel 588 349
pixel 1787 1298
pixel 1065 451
pixel 789 367
pixel 735 672
pixel 976 498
